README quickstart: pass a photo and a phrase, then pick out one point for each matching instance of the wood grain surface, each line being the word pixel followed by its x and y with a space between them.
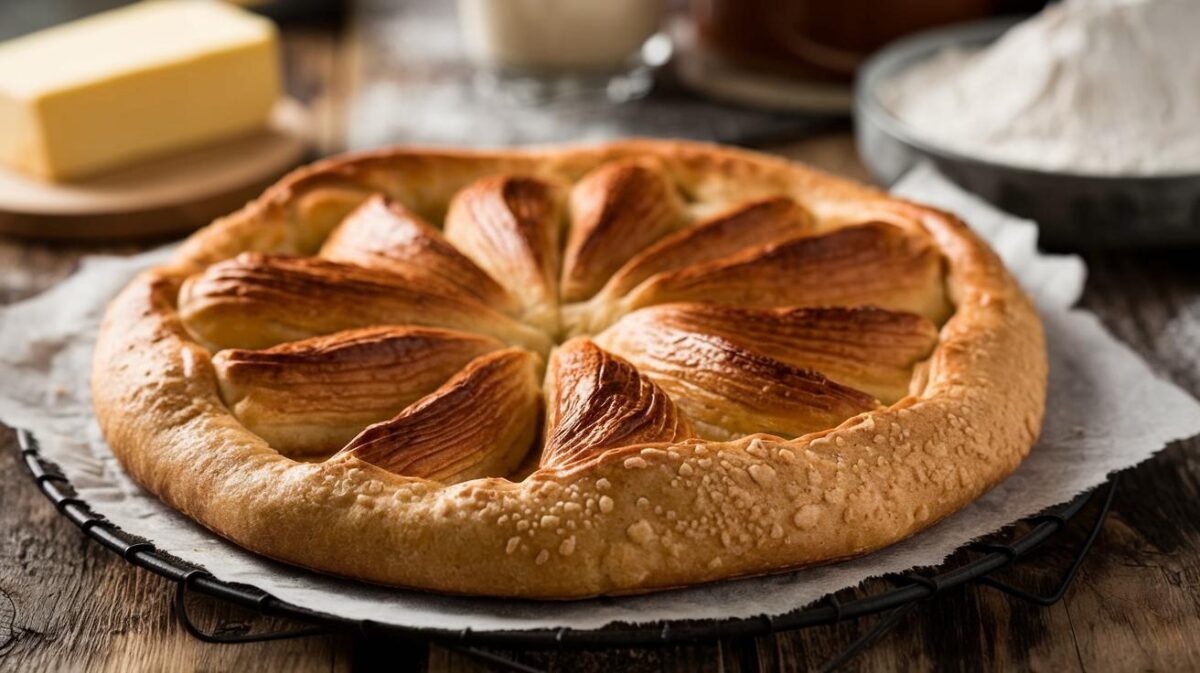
pixel 68 604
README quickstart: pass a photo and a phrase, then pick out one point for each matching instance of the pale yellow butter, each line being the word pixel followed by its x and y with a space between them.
pixel 141 81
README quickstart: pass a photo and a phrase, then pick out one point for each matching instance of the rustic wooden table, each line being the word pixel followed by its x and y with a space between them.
pixel 67 603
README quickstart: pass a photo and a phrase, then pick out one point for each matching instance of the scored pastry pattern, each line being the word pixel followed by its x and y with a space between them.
pixel 569 372
pixel 542 324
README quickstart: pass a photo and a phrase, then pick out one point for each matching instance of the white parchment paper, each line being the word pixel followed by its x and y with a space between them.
pixel 1106 411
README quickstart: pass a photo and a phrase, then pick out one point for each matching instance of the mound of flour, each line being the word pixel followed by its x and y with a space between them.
pixel 1108 87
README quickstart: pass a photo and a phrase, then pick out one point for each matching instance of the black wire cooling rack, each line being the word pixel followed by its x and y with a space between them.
pixel 977 564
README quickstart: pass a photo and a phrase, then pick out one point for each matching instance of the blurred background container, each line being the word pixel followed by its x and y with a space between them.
pixel 826 40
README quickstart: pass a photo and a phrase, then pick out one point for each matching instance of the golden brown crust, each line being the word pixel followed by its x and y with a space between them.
pixel 310 397
pixel 745 226
pixel 382 234
pixel 632 519
pixel 616 210
pixel 498 392
pixel 729 391
pixel 509 224
pixel 870 264
pixel 870 349
pixel 258 301
pixel 596 401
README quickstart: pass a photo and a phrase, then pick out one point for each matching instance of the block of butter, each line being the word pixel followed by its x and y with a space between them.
pixel 141 81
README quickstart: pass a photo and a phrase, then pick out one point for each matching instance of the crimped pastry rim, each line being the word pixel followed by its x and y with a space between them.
pixel 631 520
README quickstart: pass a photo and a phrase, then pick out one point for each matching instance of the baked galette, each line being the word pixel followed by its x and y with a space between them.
pixel 571 371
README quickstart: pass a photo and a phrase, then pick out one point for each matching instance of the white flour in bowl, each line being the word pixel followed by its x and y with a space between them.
pixel 1108 87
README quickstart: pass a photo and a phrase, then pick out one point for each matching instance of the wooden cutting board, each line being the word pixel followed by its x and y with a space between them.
pixel 158 198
